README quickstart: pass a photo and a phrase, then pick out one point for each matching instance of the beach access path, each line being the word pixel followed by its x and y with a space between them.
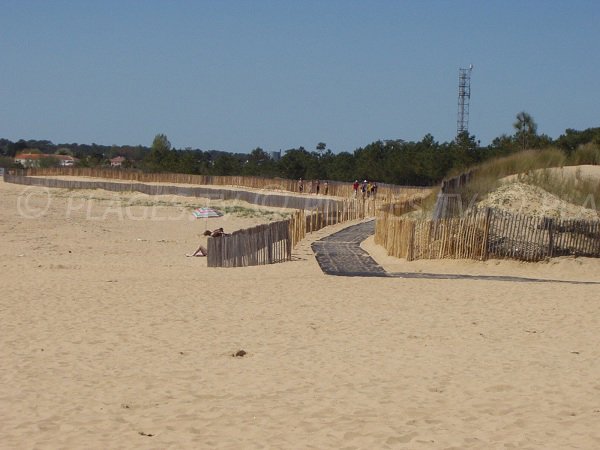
pixel 340 254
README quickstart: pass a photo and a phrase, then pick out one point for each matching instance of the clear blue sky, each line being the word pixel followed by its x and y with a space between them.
pixel 235 75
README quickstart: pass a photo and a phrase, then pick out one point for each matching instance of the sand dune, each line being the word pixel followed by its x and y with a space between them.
pixel 112 338
pixel 523 198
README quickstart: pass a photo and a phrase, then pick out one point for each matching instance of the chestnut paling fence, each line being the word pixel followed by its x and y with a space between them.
pixel 479 234
pixel 334 188
pixel 486 233
pixel 273 242
pixel 257 198
pixel 263 244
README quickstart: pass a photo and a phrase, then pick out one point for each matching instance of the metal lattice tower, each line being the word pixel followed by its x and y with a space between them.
pixel 464 96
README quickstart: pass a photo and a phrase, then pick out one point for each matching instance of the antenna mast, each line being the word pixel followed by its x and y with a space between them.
pixel 464 96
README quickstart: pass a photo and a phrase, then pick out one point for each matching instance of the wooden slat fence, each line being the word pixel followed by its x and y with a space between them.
pixel 272 243
pixel 335 188
pixel 263 244
pixel 487 233
pixel 449 202
pixel 257 198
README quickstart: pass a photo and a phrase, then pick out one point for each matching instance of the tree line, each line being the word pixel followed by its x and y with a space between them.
pixel 421 163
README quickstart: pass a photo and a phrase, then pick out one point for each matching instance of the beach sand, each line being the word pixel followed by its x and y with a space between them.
pixel 112 338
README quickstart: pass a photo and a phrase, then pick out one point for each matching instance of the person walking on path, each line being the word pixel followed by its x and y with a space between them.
pixel 355 188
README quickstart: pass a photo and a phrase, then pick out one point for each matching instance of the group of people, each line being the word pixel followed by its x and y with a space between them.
pixel 367 189
pixel 202 251
pixel 314 187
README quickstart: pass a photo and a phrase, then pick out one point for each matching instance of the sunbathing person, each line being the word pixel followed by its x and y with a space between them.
pixel 202 251
pixel 217 233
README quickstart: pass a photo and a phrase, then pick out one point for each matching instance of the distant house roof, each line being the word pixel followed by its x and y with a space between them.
pixel 35 159
pixel 30 156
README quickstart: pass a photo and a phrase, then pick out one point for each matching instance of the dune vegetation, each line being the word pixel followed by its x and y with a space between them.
pixel 539 168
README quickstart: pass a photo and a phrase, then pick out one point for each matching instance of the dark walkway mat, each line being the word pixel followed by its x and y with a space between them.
pixel 340 254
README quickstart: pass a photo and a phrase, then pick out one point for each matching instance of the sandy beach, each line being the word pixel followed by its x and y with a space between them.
pixel 112 338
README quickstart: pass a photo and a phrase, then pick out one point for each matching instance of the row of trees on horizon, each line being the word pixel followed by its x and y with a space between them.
pixel 425 162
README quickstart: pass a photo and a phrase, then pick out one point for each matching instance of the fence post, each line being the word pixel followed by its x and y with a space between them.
pixel 211 258
pixel 269 242
pixel 486 233
pixel 411 242
pixel 550 237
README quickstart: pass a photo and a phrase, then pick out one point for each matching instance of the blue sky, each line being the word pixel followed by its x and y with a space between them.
pixel 236 75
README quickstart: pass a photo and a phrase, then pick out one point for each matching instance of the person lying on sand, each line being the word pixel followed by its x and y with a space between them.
pixel 218 232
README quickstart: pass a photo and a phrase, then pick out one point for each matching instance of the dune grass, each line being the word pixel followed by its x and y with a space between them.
pixel 533 167
pixel 574 189
pixel 585 154
pixel 487 177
